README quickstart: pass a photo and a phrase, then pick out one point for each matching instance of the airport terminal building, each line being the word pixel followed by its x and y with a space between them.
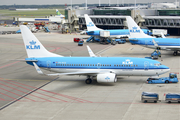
pixel 111 18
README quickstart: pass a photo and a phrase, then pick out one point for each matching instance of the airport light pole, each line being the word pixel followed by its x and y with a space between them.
pixel 135 10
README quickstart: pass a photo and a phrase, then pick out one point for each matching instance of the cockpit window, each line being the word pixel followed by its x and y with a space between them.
pixel 157 64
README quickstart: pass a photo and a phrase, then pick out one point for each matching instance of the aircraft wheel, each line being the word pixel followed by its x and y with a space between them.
pixel 175 53
pixel 166 81
pixel 88 81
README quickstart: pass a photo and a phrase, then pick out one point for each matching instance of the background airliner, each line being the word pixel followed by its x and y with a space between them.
pixel 95 31
pixel 137 36
pixel 106 69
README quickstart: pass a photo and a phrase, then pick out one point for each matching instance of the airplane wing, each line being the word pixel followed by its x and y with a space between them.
pixel 91 52
pixel 71 73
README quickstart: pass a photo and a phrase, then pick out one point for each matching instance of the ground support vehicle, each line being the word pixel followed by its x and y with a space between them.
pixel 149 97
pixel 156 54
pixel 172 97
pixel 77 39
pixel 171 79
pixel 80 43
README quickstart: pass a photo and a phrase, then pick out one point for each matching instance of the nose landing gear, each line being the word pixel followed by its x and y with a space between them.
pixel 175 53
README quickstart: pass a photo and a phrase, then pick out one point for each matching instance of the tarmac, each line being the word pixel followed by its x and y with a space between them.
pixel 25 95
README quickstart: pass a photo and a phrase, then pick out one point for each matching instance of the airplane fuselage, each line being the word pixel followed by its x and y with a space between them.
pixel 118 65
pixel 164 43
pixel 113 33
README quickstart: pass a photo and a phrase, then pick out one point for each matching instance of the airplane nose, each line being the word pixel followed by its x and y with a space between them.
pixel 165 68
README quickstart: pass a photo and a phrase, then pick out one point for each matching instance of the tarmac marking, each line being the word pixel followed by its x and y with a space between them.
pixel 26 93
pixel 105 49
pixel 55 49
pixel 9 64
pixel 66 96
pixel 35 92
pixel 13 92
pixel 8 96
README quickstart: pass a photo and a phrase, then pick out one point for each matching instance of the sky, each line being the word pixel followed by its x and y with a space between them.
pixel 46 2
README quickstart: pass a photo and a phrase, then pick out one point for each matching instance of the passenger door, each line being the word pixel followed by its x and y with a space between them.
pixel 146 65
pixel 48 64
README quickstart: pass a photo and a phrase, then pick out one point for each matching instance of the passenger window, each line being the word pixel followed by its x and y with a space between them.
pixel 114 65
pixel 136 65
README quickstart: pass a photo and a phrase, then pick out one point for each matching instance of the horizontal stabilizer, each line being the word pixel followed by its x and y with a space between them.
pixel 23 60
pixel 38 69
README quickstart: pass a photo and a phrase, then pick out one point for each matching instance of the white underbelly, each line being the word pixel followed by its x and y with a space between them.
pixel 118 72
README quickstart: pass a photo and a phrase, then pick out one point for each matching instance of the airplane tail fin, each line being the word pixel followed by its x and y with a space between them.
pixel 89 23
pixel 32 45
pixel 57 12
pixel 134 30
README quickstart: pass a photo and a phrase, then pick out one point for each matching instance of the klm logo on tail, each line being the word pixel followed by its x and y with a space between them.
pixel 32 45
pixel 90 24
pixel 134 30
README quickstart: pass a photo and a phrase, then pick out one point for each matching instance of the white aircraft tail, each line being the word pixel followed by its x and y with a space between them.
pixel 90 25
pixel 134 30
pixel 32 45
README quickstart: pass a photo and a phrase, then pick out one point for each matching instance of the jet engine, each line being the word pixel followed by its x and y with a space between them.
pixel 109 77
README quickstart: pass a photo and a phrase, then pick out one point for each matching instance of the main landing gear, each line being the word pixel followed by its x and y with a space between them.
pixel 175 53
pixel 88 80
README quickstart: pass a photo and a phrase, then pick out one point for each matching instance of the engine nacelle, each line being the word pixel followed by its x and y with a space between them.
pixel 109 77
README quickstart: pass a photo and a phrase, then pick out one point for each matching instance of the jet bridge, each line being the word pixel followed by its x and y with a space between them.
pixel 162 21
pixel 115 21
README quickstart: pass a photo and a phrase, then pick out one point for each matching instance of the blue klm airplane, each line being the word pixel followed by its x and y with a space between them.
pixel 116 33
pixel 106 69
pixel 138 37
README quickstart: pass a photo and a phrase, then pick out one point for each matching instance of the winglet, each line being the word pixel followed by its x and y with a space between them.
pixel 162 35
pixel 91 52
pixel 38 69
